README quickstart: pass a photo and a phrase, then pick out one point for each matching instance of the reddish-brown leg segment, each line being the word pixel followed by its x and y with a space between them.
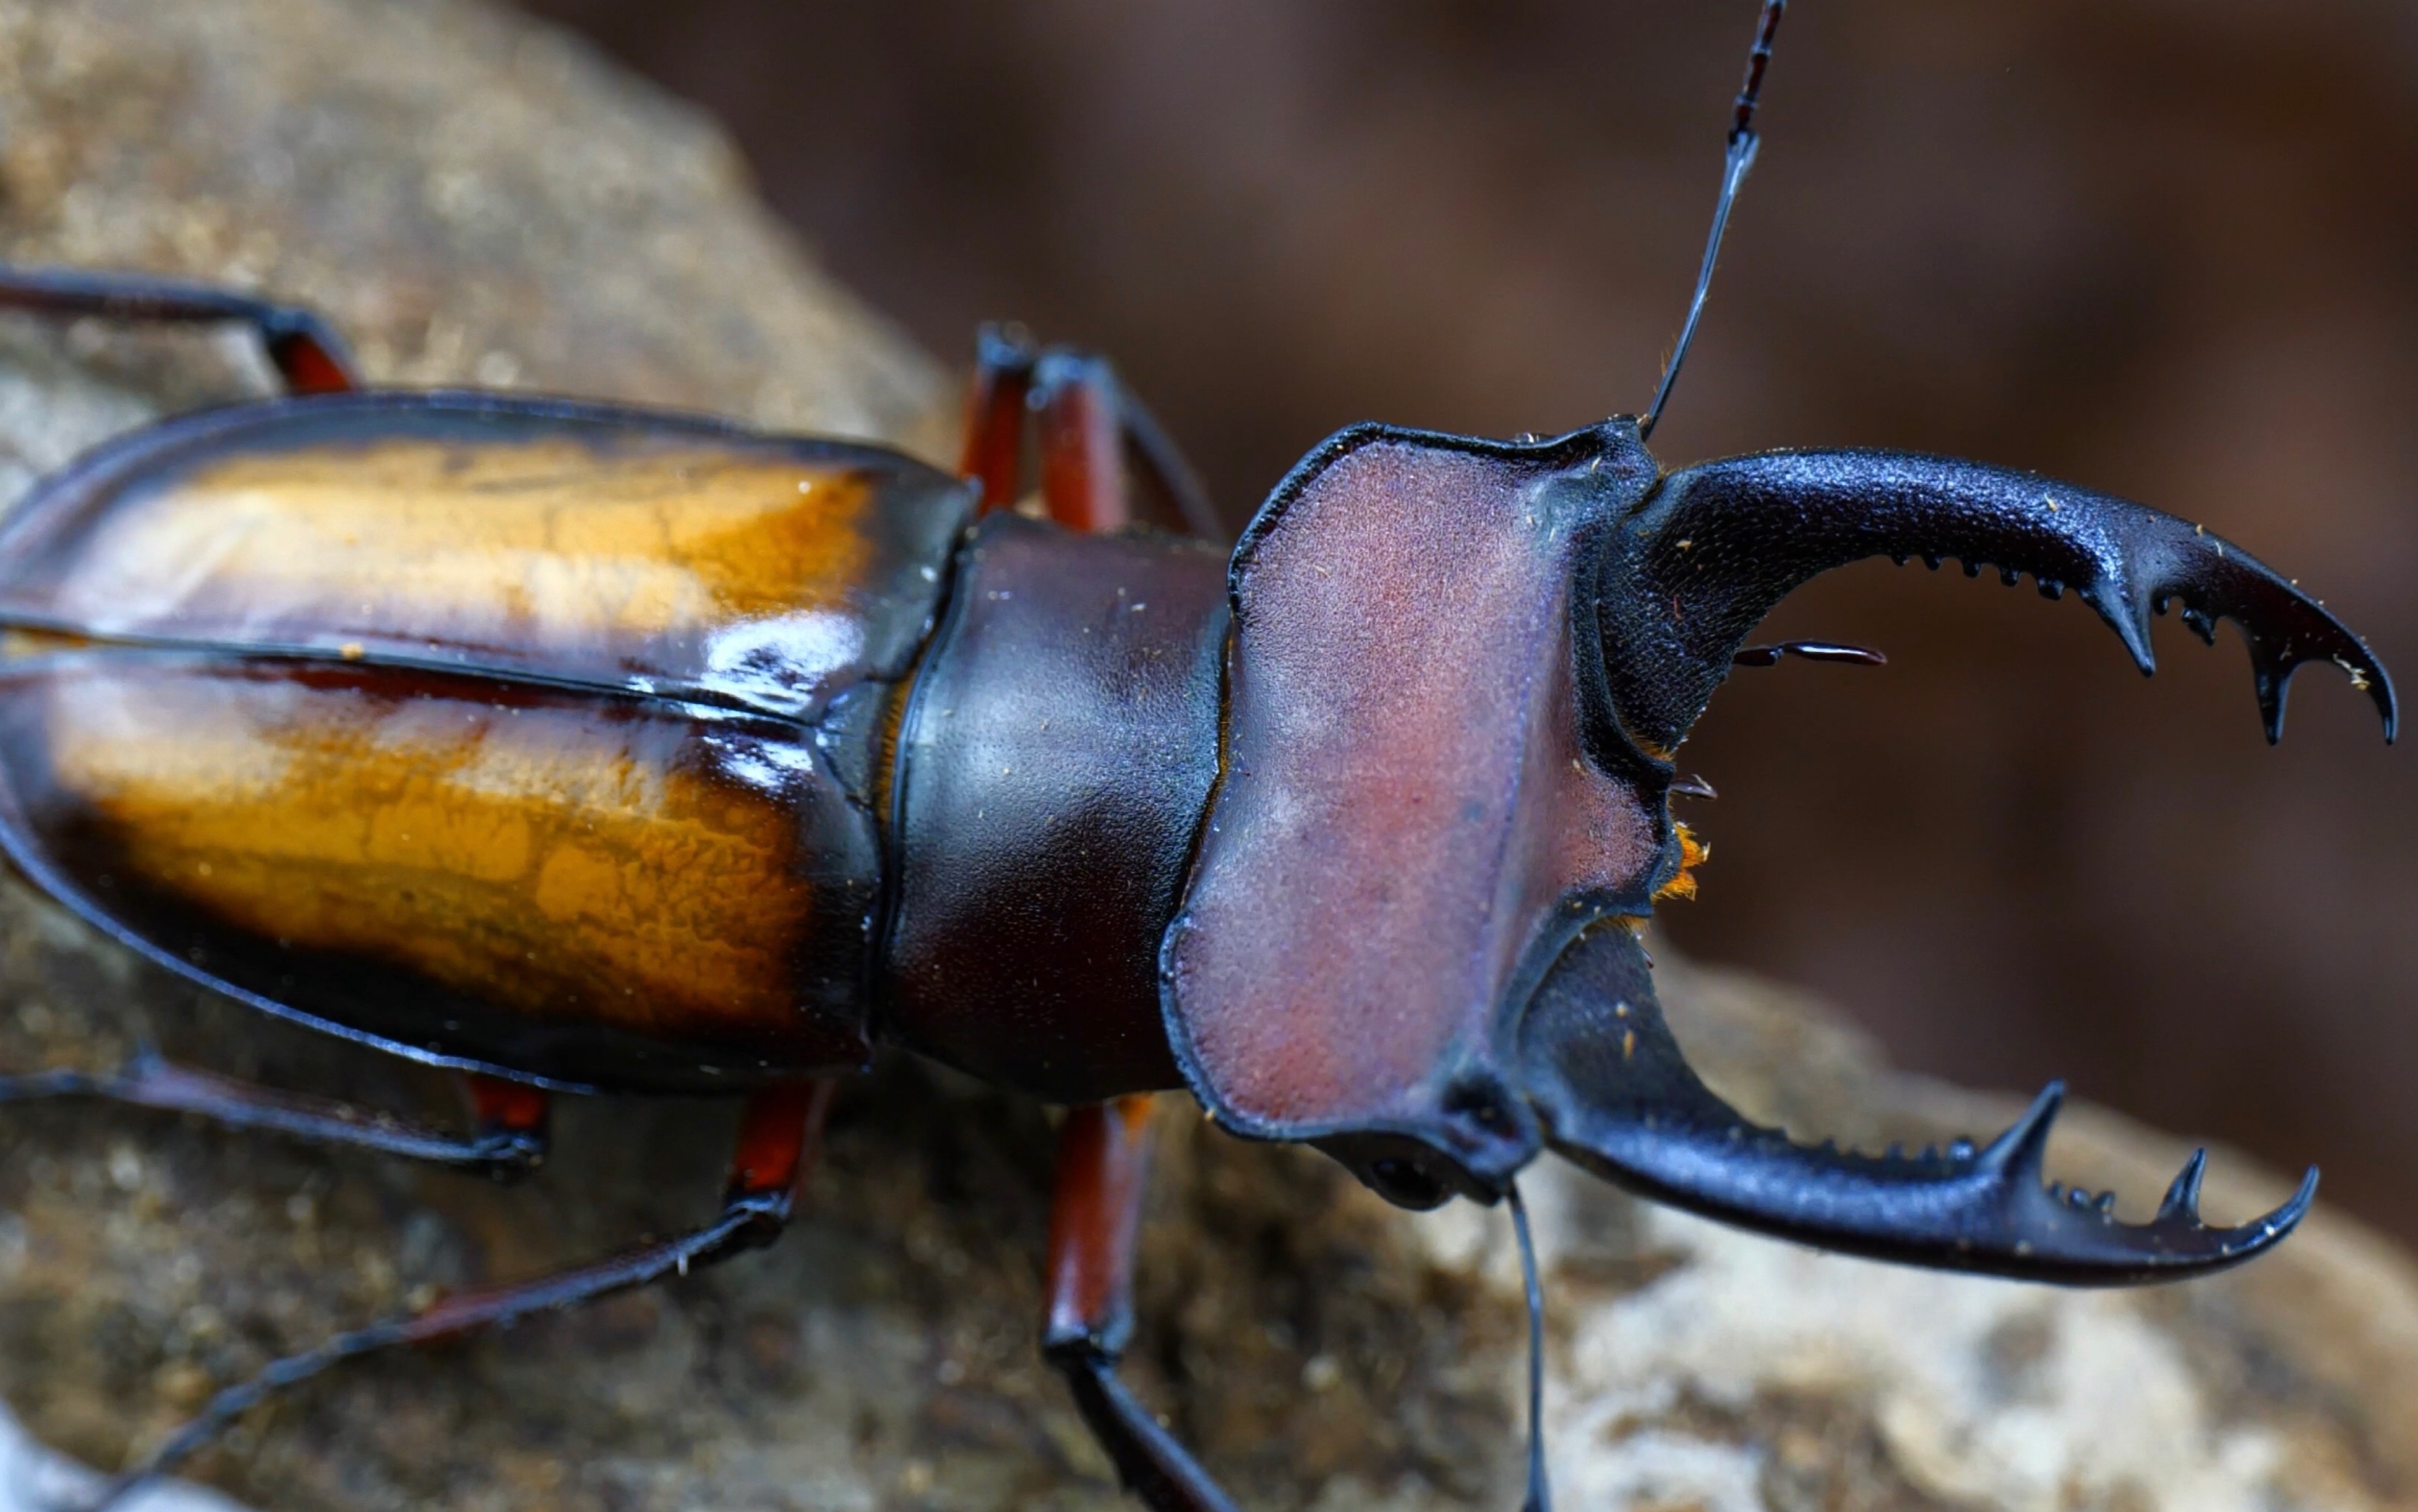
pixel 1096 1216
pixel 1090 428
pixel 308 354
pixel 780 1139
pixel 780 1133
pixel 1095 1219
pixel 148 1081
pixel 994 454
pixel 512 1110
pixel 1082 442
pixel 1086 423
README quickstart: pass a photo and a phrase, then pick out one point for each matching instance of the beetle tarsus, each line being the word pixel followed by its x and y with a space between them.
pixel 308 354
pixel 1150 1462
pixel 780 1136
pixel 747 1224
pixel 146 1080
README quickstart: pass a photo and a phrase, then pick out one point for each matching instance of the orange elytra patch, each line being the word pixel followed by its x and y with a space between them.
pixel 613 865
pixel 547 544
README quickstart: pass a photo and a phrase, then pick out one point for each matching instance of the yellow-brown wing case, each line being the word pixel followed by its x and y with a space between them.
pixel 507 733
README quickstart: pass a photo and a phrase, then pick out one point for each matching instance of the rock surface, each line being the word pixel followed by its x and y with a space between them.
pixel 473 199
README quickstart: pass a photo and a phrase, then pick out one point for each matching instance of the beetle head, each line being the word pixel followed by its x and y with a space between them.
pixel 1458 670
pixel 1408 812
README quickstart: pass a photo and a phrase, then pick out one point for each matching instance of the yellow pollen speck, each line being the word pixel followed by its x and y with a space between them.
pixel 350 650
pixel 1692 853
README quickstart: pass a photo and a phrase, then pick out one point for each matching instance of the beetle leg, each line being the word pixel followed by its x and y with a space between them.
pixel 778 1140
pixel 1165 464
pixel 512 1111
pixel 780 1137
pixel 1095 1217
pixel 1090 427
pixel 1082 450
pixel 148 1081
pixel 307 352
pixel 994 454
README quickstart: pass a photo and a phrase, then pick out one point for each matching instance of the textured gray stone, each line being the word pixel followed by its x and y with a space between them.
pixel 474 199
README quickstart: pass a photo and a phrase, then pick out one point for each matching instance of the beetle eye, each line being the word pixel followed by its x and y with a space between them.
pixel 1404 1183
pixel 1479 1102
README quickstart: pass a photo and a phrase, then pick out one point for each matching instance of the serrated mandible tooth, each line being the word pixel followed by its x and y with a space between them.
pixel 2020 1150
pixel 2183 1198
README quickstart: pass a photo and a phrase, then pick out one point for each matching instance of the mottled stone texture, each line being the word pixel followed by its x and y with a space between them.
pixel 475 199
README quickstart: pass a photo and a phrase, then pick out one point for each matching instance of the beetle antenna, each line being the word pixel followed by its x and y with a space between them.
pixel 1741 158
pixel 1540 1497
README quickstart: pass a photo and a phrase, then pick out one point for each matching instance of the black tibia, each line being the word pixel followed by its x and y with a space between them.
pixel 1149 1460
pixel 150 1082
pixel 744 1225
pixel 308 353
pixel 1716 545
pixel 778 1139
pixel 1618 1098
pixel 1095 1213
pixel 1164 463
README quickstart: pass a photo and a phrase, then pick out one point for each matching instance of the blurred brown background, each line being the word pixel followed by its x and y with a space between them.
pixel 2165 248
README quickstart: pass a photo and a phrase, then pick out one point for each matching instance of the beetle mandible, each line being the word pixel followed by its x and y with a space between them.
pixel 582 748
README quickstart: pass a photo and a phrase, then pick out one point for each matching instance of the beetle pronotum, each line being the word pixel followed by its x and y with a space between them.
pixel 587 748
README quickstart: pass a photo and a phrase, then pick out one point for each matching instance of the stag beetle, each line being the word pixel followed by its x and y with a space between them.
pixel 582 748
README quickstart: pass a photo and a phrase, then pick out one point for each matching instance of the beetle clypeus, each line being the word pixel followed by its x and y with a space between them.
pixel 582 748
